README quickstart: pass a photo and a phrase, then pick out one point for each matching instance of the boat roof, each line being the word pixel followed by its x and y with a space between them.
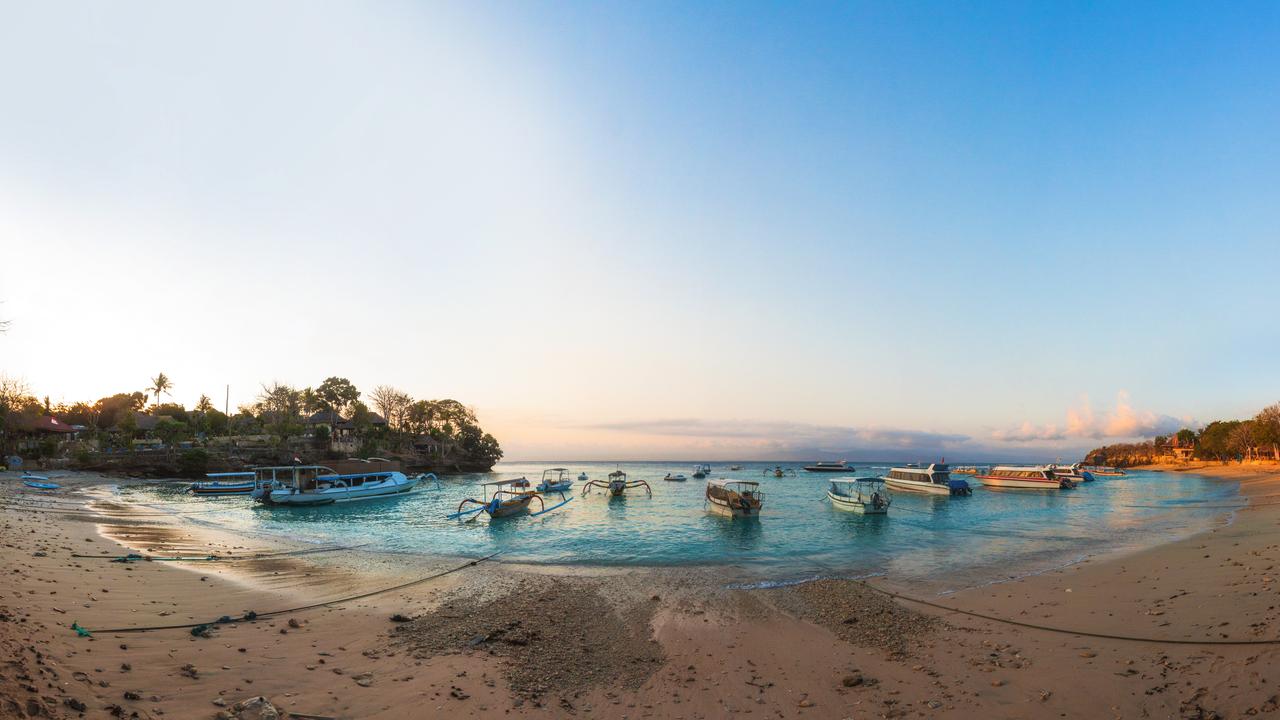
pixel 556 470
pixel 616 473
pixel 852 480
pixel 295 467
pixel 228 474
pixel 722 482
pixel 513 481
pixel 1022 467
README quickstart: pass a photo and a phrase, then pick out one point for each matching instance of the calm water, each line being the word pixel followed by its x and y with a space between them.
pixel 988 536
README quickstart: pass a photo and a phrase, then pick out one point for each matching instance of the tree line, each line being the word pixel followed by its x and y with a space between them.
pixel 1251 439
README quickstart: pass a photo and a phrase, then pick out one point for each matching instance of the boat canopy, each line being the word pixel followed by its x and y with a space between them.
pixel 514 481
pixel 724 482
pixel 855 480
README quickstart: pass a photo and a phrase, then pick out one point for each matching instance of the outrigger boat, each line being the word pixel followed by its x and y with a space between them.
pixel 1036 477
pixel 935 479
pixel 677 477
pixel 735 498
pixel 1072 472
pixel 860 495
pixel 225 483
pixel 779 471
pixel 505 498
pixel 559 483
pixel 617 485
pixel 306 485
pixel 820 467
pixel 701 471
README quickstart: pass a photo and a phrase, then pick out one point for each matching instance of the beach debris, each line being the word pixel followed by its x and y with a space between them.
pixel 400 618
pixel 204 631
pixel 190 671
pixel 293 623
pixel 75 704
pixel 132 695
pixel 255 708
pixel 853 680
pixel 363 679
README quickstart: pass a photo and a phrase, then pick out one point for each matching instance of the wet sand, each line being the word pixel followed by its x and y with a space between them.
pixel 495 640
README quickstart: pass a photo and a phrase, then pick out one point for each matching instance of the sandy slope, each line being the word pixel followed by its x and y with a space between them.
pixel 675 643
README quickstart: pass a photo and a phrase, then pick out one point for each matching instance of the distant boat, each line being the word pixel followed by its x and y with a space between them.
pixel 701 471
pixel 555 480
pixel 934 479
pixel 1073 472
pixel 735 467
pixel 616 485
pixel 735 498
pixel 841 466
pixel 1035 477
pixel 304 485
pixel 226 483
pixel 1103 471
pixel 779 471
pixel 675 477
pixel 861 495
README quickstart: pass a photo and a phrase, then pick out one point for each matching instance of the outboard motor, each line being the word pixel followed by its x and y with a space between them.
pixel 959 487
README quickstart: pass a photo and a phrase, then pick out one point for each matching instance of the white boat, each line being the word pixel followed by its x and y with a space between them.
pixel 1074 472
pixel 676 477
pixel 821 467
pixel 226 483
pixel 861 495
pixel 555 480
pixel 701 471
pixel 934 479
pixel 302 485
pixel 735 498
pixel 1032 477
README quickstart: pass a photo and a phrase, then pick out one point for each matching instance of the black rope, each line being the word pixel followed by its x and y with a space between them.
pixel 226 619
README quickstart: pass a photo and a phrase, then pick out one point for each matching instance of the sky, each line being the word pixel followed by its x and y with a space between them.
pixel 714 230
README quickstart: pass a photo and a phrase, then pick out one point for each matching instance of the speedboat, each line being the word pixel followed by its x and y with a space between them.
pixel 1033 477
pixel 555 480
pixel 861 495
pixel 303 485
pixel 841 466
pixel 226 483
pixel 701 471
pixel 935 479
pixel 735 498
pixel 1072 472
pixel 676 477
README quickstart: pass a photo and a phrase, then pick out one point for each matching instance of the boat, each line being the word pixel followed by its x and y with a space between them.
pixel 779 471
pixel 701 471
pixel 555 480
pixel 1103 471
pixel 820 467
pixel 39 482
pixel 934 479
pixel 676 477
pixel 225 483
pixel 503 499
pixel 965 470
pixel 582 477
pixel 735 498
pixel 36 478
pixel 735 467
pixel 1034 477
pixel 861 495
pixel 308 485
pixel 1074 472
pixel 617 485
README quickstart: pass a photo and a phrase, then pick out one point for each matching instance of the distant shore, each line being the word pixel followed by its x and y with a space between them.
pixel 633 643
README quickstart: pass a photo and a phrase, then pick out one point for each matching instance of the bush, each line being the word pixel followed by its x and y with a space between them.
pixel 193 463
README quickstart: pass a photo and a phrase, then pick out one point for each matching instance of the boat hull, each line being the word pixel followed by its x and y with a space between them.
pixel 508 508
pixel 917 487
pixel 816 469
pixel 720 507
pixel 242 489
pixel 368 491
pixel 841 502
pixel 1024 483
pixel 554 487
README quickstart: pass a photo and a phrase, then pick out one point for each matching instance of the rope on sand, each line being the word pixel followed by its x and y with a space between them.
pixel 1064 631
pixel 224 558
pixel 254 616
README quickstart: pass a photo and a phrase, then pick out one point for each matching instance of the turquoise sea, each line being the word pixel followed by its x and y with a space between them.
pixel 957 541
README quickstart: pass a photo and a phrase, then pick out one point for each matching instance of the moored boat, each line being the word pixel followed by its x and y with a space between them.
pixel 675 477
pixel 818 467
pixel 1103 471
pixel 701 471
pixel 225 483
pixel 1074 472
pixel 616 485
pixel 861 495
pixel 306 485
pixel 735 498
pixel 505 498
pixel 779 471
pixel 934 479
pixel 1034 477
pixel 555 480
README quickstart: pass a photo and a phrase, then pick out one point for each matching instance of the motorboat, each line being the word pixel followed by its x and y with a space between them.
pixel 1032 477
pixel 701 471
pixel 675 477
pixel 1103 471
pixel 225 483
pixel 934 478
pixel 555 480
pixel 828 467
pixel 734 498
pixel 307 485
pixel 861 495
pixel 1074 472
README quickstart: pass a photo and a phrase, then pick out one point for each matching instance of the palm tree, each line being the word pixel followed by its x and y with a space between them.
pixel 161 384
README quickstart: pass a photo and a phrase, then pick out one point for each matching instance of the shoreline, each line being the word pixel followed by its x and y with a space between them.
pixel 794 639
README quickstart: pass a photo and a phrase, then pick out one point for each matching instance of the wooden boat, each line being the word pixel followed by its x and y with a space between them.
pixel 225 483
pixel 735 498
pixel 555 480
pixel 309 485
pixel 861 495
pixel 701 471
pixel 503 499
pixel 1036 477
pixel 779 471
pixel 676 477
pixel 1074 472
pixel 617 485
pixel 934 479
pixel 828 467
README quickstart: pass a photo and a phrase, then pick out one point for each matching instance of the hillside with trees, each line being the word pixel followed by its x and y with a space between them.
pixel 1256 438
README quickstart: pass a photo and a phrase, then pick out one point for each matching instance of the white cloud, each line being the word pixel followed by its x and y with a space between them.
pixel 1122 421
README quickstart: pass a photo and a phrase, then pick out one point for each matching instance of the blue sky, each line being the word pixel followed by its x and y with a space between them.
pixel 657 229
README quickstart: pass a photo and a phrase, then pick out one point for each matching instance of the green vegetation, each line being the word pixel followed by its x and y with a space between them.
pixel 1252 439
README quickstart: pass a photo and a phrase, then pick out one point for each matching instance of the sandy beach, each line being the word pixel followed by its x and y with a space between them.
pixel 497 640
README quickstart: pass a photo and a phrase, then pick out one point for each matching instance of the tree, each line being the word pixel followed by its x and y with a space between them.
pixel 1240 440
pixel 393 404
pixel 205 405
pixel 161 384
pixel 337 394
pixel 1186 437
pixel 170 431
pixel 279 409
pixel 1266 429
pixel 1215 440
pixel 110 410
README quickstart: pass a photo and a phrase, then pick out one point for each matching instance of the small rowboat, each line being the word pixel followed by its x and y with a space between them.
pixel 861 495
pixel 228 483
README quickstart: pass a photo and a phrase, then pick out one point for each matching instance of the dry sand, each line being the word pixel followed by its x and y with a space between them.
pixel 501 641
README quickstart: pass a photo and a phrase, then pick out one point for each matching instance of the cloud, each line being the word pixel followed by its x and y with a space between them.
pixel 1123 421
pixel 786 436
